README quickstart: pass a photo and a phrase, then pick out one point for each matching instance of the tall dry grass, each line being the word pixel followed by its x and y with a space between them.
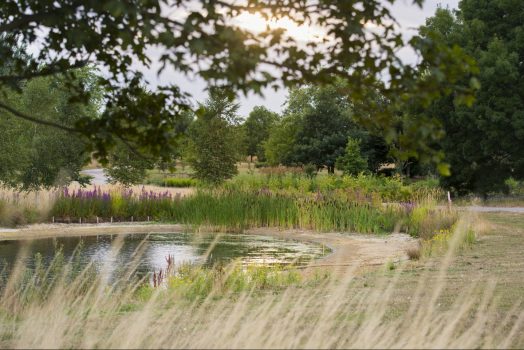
pixel 20 208
pixel 335 314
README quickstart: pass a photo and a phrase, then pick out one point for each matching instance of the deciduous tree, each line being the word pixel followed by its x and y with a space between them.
pixel 485 143
pixel 32 155
pixel 214 146
pixel 257 127
pixel 315 129
pixel 360 42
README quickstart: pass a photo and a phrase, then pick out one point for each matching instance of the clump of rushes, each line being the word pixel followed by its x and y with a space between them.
pixel 228 209
pixel 240 210
pixel 178 182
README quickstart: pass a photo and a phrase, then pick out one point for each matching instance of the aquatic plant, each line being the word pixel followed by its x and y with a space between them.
pixel 226 208
pixel 121 204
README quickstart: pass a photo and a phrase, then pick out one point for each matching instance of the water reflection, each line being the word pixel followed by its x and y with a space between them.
pixel 155 247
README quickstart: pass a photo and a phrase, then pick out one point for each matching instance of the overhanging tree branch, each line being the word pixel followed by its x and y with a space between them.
pixel 133 149
pixel 21 115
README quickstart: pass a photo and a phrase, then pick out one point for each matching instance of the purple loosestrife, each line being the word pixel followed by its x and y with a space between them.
pixel 408 206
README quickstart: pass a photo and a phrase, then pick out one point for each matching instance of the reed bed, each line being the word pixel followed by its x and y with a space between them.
pixel 240 210
pixel 87 311
pixel 21 208
pixel 229 209
pixel 343 204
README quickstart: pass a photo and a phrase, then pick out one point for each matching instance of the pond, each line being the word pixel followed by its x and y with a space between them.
pixel 153 249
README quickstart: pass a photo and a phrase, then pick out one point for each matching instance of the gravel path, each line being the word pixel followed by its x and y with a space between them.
pixel 482 209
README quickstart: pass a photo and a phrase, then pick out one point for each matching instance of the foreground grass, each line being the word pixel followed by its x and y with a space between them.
pixel 469 300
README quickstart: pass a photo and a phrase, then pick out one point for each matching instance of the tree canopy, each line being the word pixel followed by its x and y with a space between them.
pixel 485 143
pixel 257 127
pixel 315 129
pixel 33 155
pixel 200 38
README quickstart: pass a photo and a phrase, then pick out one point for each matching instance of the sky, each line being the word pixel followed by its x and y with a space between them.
pixel 409 17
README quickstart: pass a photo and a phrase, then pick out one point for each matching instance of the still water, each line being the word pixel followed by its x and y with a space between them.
pixel 148 252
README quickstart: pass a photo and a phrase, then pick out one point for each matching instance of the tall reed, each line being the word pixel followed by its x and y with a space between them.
pixel 228 209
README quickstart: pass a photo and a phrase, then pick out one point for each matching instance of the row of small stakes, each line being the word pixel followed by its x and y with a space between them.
pixel 97 220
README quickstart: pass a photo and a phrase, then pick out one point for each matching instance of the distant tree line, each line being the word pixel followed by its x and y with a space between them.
pixel 330 124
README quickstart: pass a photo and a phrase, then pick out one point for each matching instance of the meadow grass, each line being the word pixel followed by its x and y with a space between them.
pixel 203 310
pixel 380 188
pixel 20 208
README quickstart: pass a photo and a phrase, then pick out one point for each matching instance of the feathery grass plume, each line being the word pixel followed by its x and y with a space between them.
pixel 337 313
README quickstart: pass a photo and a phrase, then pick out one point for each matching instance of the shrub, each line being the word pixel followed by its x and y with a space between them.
pixel 352 162
pixel 414 253
pixel 310 170
pixel 180 182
